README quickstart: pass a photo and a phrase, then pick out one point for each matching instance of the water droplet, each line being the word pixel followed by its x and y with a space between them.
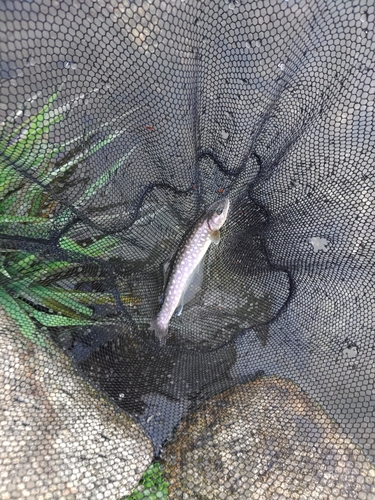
pixel 224 135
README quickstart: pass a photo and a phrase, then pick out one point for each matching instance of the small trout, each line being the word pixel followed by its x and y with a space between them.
pixel 205 232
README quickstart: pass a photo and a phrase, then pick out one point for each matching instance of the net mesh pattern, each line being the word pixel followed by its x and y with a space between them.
pixel 121 123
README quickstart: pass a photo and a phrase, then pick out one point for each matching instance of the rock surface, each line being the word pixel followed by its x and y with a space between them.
pixel 265 440
pixel 59 438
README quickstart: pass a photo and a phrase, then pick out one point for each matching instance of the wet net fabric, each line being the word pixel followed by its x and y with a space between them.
pixel 121 123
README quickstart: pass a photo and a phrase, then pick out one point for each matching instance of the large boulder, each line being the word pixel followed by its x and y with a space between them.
pixel 59 438
pixel 265 440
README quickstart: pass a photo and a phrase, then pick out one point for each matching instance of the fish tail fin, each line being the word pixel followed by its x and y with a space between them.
pixel 160 331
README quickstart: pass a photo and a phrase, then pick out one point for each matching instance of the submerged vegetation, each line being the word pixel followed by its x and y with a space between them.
pixel 32 287
pixel 51 277
pixel 152 486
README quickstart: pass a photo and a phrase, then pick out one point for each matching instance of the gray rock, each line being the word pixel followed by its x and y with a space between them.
pixel 60 438
pixel 265 440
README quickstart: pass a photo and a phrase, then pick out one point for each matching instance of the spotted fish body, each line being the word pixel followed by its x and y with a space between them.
pixel 188 259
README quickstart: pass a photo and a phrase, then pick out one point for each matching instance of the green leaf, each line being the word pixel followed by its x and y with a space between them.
pixel 54 320
pixel 23 264
pixel 81 156
pixel 23 218
pixel 98 184
pixel 25 151
pixel 19 316
pixel 103 179
pixel 67 244
pixel 9 180
pixel 8 202
pixel 100 298
pixel 114 120
pixel 96 249
pixel 36 200
pixel 60 297
pixel 102 246
pixel 29 121
pixel 35 229
pixel 41 271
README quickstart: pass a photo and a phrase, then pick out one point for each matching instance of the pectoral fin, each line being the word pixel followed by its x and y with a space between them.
pixel 215 237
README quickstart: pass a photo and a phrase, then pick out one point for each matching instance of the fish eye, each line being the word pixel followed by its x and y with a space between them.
pixel 219 211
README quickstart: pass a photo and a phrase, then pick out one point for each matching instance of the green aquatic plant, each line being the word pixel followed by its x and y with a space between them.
pixel 152 486
pixel 30 170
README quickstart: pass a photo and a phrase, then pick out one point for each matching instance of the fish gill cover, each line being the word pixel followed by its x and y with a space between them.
pixel 121 124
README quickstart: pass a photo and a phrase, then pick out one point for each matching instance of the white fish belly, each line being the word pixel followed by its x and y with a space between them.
pixel 194 251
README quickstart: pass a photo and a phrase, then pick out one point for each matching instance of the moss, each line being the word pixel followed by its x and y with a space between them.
pixel 152 486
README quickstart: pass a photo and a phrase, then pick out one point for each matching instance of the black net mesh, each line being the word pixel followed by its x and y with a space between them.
pixel 121 123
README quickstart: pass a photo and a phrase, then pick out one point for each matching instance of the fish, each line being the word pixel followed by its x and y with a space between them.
pixel 186 262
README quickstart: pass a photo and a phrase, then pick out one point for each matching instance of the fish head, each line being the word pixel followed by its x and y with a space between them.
pixel 217 214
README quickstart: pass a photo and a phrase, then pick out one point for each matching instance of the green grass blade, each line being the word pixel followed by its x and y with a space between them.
pixel 9 203
pixel 22 265
pixel 20 317
pixel 24 219
pixel 48 294
pixel 84 137
pixel 97 249
pixel 103 179
pixel 54 306
pixel 9 180
pixel 29 146
pixel 101 298
pixel 42 271
pixel 102 246
pixel 37 196
pixel 33 230
pixel 81 156
pixel 71 246
pixel 98 184
pixel 29 121
pixel 51 320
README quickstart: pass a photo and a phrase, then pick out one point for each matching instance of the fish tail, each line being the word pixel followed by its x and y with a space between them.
pixel 160 331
